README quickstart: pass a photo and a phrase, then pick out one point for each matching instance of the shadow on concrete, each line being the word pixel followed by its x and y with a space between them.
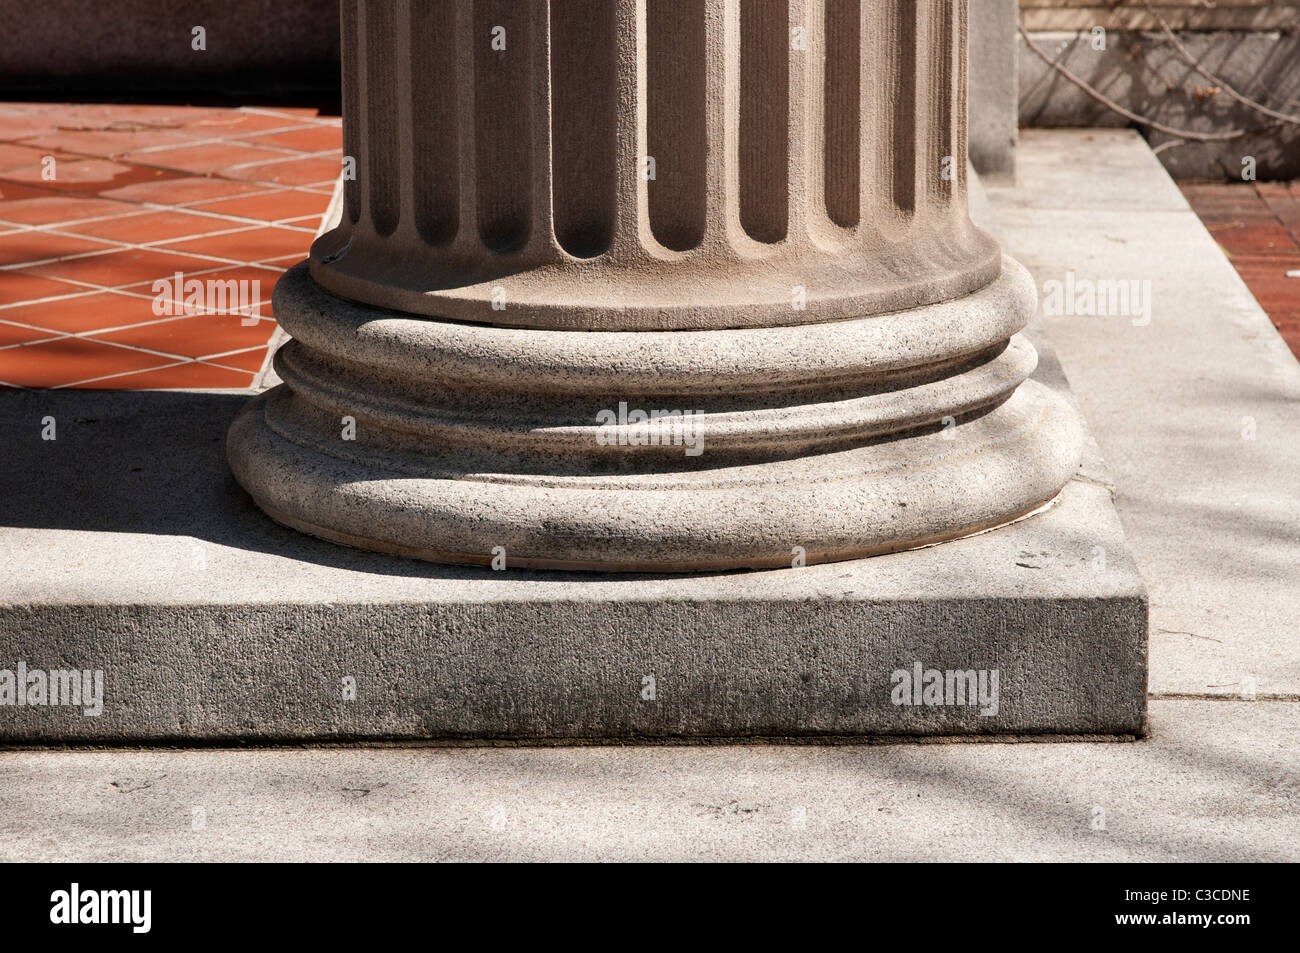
pixel 154 462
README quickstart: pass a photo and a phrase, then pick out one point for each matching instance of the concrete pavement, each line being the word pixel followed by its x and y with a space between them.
pixel 1209 513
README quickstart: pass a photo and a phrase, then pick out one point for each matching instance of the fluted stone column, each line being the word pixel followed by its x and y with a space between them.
pixel 747 215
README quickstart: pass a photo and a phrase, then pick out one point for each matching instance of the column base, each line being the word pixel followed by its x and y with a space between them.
pixel 925 488
pixel 479 445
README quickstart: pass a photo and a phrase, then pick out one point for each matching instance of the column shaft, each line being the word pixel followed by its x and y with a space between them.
pixel 798 346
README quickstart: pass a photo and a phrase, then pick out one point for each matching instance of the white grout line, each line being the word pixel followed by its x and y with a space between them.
pixel 318 121
pixel 147 370
pixel 324 154
pixel 191 206
pixel 213 140
pixel 120 246
pixel 260 188
pixel 93 288
pixel 244 226
pixel 207 360
pixel 93 333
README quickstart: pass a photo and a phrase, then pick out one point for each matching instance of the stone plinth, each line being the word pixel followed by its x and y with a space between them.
pixel 661 285
pixel 137 555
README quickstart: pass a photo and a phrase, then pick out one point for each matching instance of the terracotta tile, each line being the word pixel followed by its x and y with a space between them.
pixel 168 115
pixel 1241 198
pixel 266 278
pixel 1268 282
pixel 212 157
pixel 311 138
pixel 251 245
pixel 1267 190
pixel 23 286
pixel 238 124
pixel 21 126
pixel 16 191
pixel 197 336
pixel 89 312
pixel 189 374
pixel 307 221
pixel 178 190
pixel 47 209
pixel 302 114
pixel 287 261
pixel 244 360
pixel 84 175
pixel 24 157
pixel 35 245
pixel 290 172
pixel 11 334
pixel 69 360
pixel 142 228
pixel 1232 215
pixel 127 267
pixel 283 204
pixel 107 140
pixel 1285 208
pixel 105 197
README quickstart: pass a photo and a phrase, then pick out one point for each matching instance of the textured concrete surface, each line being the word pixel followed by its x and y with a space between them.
pixel 1195 411
pixel 1219 781
pixel 165 529
pixel 139 555
pixel 1215 780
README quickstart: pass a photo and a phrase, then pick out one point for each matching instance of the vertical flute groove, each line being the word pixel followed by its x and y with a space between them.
pixel 503 128
pixel 722 226
pixel 842 112
pixel 960 85
pixel 382 124
pixel 584 80
pixel 764 136
pixel 435 140
pixel 352 107
pixel 677 91
pixel 906 102
pixel 939 163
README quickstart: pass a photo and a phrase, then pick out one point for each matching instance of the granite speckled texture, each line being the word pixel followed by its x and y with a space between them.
pixel 136 553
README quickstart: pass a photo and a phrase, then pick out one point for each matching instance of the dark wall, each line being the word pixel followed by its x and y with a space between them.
pixel 123 45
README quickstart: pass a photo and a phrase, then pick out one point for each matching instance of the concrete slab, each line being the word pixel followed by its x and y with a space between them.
pixel 1218 781
pixel 1086 169
pixel 1195 411
pixel 135 553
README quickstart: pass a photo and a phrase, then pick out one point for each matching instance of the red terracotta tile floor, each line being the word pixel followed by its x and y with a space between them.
pixel 99 202
pixel 1257 224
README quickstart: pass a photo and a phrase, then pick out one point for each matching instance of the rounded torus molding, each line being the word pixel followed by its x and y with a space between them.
pixel 861 450
pixel 657 285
